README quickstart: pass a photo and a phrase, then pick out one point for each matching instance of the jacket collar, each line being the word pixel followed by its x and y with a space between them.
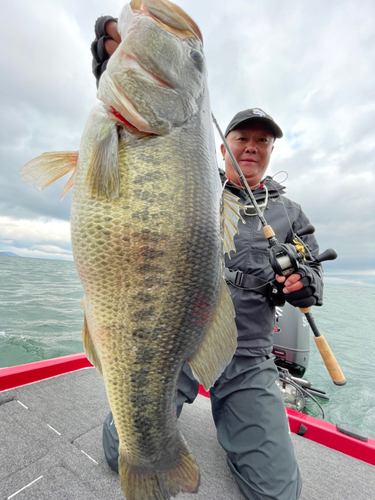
pixel 274 188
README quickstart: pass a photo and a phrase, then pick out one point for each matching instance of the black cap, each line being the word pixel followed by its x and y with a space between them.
pixel 258 114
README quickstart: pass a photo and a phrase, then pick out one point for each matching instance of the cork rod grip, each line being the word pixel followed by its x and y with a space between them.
pixel 330 361
pixel 268 232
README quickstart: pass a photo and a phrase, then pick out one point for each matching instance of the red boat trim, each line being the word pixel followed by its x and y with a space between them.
pixel 41 370
pixel 326 434
pixel 316 430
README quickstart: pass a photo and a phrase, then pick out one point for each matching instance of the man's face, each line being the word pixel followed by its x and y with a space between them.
pixel 251 145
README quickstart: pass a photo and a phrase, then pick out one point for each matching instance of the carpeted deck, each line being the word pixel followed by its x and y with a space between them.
pixel 50 449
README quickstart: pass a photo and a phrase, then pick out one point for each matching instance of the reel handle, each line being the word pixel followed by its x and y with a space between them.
pixel 308 229
pixel 329 254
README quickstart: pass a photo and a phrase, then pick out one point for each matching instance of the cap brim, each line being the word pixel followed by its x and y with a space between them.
pixel 276 130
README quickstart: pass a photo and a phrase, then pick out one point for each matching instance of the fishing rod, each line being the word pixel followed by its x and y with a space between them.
pixel 285 260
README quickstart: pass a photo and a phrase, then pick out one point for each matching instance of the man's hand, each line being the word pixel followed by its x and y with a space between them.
pixel 107 39
pixel 291 284
pixel 301 289
pixel 113 42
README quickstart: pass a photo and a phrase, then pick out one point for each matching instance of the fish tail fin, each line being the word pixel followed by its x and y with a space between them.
pixel 160 485
pixel 219 344
pixel 48 168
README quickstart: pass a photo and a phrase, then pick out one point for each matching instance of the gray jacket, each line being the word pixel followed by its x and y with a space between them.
pixel 255 316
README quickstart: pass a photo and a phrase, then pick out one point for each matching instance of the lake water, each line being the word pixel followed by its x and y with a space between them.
pixel 41 318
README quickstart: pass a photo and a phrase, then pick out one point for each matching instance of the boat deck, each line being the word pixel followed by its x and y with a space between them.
pixel 51 434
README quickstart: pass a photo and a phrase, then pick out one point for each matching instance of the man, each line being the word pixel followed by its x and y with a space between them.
pixel 246 403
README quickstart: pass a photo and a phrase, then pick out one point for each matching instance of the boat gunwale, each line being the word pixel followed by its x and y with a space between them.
pixel 309 427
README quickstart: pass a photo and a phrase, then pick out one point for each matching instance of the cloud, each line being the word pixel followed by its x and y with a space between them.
pixel 44 238
pixel 308 64
pixel 354 278
pixel 36 230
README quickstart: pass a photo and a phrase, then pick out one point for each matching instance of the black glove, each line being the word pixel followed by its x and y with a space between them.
pixel 276 297
pixel 312 292
pixel 100 55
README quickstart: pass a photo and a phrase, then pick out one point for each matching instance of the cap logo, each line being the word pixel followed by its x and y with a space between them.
pixel 258 112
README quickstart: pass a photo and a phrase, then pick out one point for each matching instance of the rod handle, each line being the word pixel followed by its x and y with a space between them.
pixel 305 310
pixel 330 361
pixel 268 232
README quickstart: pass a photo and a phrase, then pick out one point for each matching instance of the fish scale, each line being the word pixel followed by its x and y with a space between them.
pixel 169 276
pixel 147 237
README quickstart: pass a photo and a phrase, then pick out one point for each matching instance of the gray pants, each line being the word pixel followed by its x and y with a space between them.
pixel 251 425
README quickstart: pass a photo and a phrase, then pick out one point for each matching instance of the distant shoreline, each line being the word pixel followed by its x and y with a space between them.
pixel 331 278
pixel 11 254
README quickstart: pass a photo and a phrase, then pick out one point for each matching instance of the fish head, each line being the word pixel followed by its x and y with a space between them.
pixel 156 78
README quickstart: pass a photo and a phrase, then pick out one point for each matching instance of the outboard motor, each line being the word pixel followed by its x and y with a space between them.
pixel 291 350
pixel 292 340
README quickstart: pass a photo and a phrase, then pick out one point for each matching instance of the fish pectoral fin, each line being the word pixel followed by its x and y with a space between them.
pixel 160 485
pixel 232 215
pixel 103 178
pixel 89 346
pixel 48 168
pixel 219 344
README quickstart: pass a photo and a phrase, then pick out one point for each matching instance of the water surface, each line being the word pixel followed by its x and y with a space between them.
pixel 41 318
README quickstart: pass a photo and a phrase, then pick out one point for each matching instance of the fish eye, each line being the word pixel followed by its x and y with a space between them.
pixel 196 56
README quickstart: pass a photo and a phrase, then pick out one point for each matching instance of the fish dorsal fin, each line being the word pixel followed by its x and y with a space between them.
pixel 48 167
pixel 232 215
pixel 219 344
pixel 103 177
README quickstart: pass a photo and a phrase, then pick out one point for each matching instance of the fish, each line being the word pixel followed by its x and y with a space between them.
pixel 149 228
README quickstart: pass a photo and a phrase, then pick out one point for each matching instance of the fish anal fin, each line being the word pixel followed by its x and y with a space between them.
pixel 103 177
pixel 219 344
pixel 48 168
pixel 185 477
pixel 89 346
pixel 231 212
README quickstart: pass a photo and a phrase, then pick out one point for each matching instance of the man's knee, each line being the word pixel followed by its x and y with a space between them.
pixel 187 388
pixel 268 487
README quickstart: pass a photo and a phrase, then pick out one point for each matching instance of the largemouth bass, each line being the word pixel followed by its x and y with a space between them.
pixel 147 238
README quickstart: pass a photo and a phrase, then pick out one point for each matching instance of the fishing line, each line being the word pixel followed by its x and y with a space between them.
pixel 295 236
pixel 281 172
pixel 281 201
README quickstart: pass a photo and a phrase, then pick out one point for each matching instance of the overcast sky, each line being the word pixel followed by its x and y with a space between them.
pixel 310 64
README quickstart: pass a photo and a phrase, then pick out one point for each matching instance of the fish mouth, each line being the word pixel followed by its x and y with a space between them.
pixel 122 107
pixel 168 15
pixel 132 62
